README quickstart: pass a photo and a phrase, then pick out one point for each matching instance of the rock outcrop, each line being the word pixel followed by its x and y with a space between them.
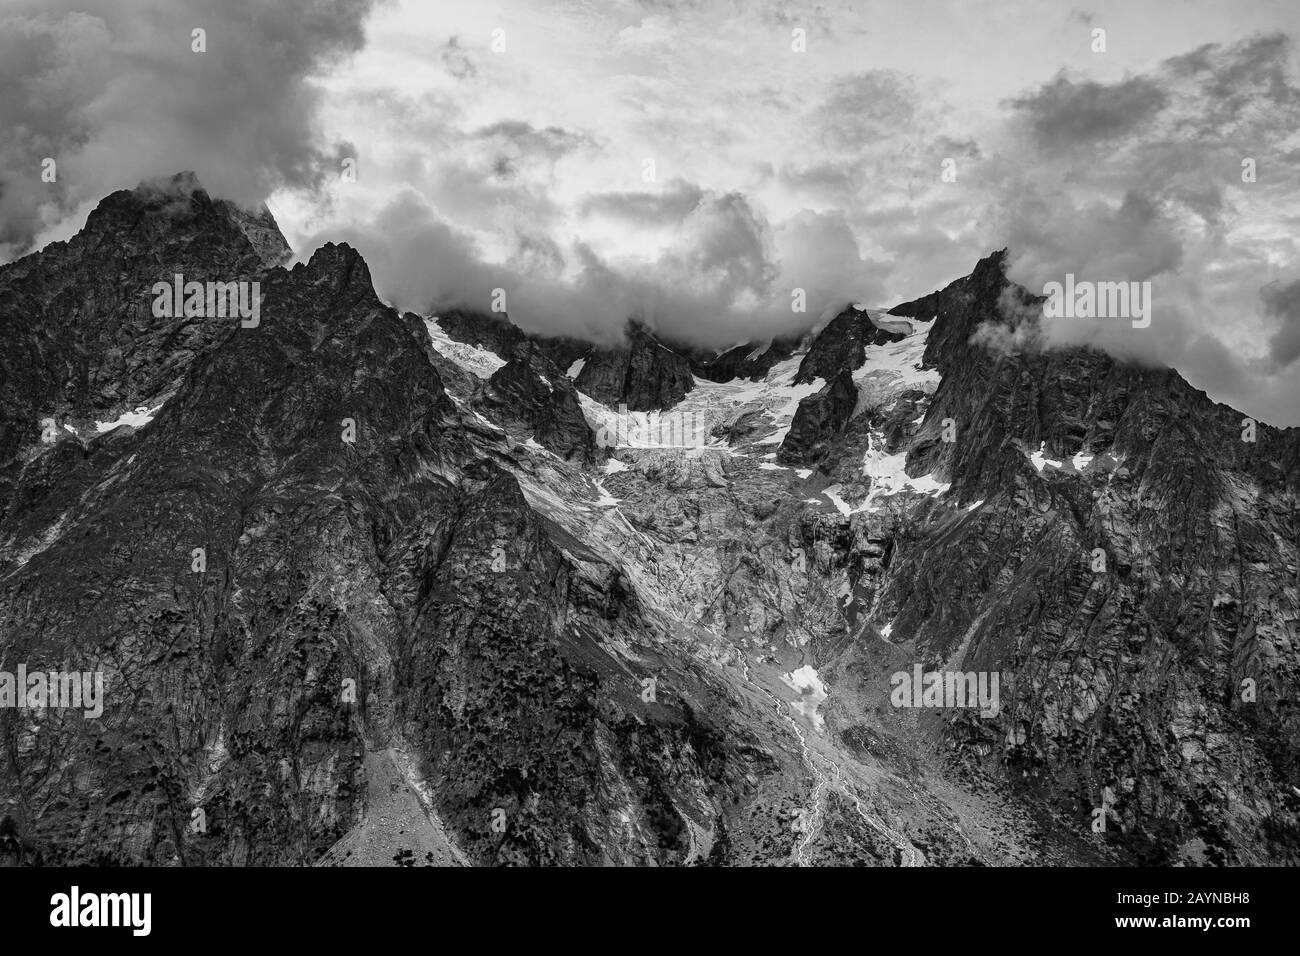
pixel 842 345
pixel 531 391
pixel 819 419
pixel 751 361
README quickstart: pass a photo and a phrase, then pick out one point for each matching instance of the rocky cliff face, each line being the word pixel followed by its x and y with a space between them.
pixel 819 420
pixel 82 340
pixel 1145 603
pixel 494 333
pixel 308 561
pixel 751 361
pixel 644 375
pixel 532 391
pixel 361 588
pixel 842 344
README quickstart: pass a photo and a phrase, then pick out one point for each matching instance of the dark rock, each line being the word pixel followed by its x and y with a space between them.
pixel 81 340
pixel 818 420
pixel 531 391
pixel 736 362
pixel 842 346
pixel 493 332
pixel 644 375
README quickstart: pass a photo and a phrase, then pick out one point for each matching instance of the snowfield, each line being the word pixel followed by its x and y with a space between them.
pixel 689 424
pixel 893 368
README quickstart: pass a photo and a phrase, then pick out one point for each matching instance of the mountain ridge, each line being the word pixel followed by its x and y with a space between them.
pixel 658 653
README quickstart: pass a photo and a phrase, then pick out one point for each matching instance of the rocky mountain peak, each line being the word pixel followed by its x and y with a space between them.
pixel 340 269
pixel 179 204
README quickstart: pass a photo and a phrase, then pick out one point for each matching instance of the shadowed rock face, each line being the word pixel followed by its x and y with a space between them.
pixel 242 662
pixel 369 579
pixel 1130 676
pixel 81 340
pixel 742 362
pixel 561 664
pixel 818 421
pixel 842 345
pixel 521 712
pixel 645 375
pixel 531 391
pixel 496 334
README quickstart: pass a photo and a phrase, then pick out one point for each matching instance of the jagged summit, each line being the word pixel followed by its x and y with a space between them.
pixel 180 203
pixel 643 374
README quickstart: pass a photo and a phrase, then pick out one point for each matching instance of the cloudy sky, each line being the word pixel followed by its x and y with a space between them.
pixel 694 162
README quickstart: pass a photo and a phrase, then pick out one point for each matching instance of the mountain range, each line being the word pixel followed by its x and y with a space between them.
pixel 373 587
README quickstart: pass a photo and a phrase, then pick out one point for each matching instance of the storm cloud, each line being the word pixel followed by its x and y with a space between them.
pixel 1148 179
pixel 690 166
pixel 727 277
pixel 119 95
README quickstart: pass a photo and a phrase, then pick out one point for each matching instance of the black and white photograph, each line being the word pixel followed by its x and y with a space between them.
pixel 713 434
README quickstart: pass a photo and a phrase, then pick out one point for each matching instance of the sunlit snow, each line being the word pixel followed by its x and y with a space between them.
pixel 141 416
pixel 477 361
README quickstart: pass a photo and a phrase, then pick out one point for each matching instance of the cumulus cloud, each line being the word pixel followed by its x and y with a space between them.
pixel 1142 180
pixel 1015 328
pixel 117 95
pixel 727 277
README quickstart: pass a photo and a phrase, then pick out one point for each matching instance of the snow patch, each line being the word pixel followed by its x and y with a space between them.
pixel 606 500
pixel 812 693
pixel 888 476
pixel 1041 461
pixel 833 493
pixel 141 416
pixel 678 427
pixel 533 445
pixel 478 362
pixel 893 368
